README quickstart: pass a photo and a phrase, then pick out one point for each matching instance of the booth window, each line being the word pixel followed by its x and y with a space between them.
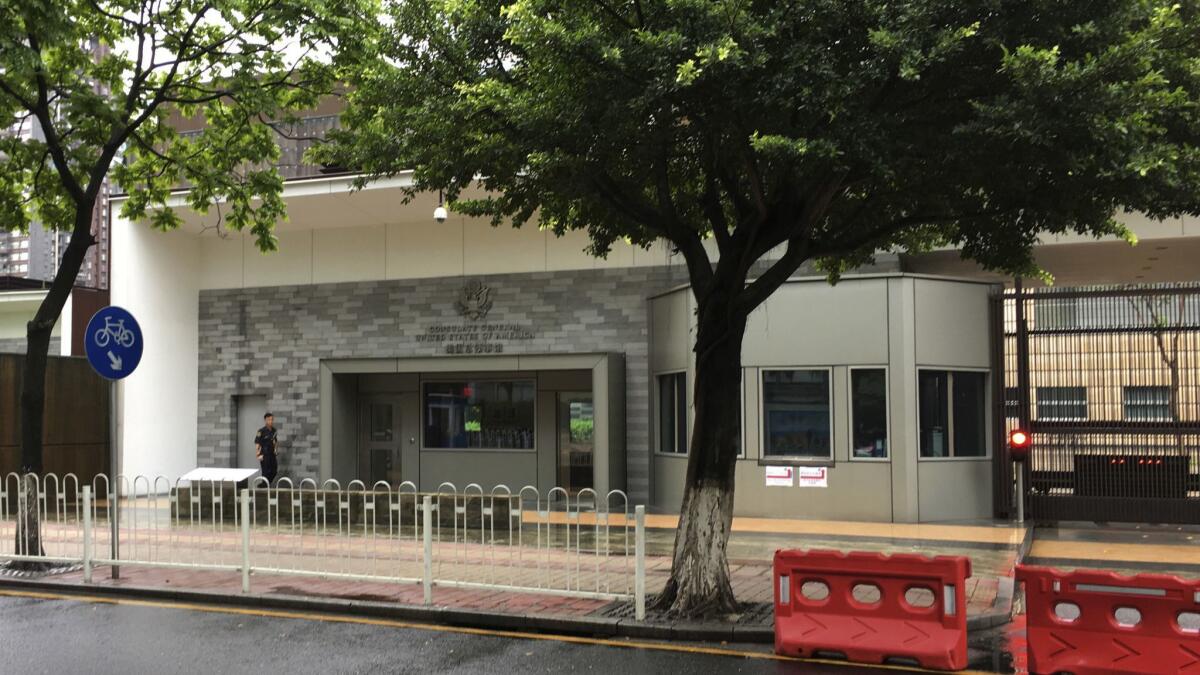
pixel 796 414
pixel 672 413
pixel 868 413
pixel 953 413
pixel 488 414
pixel 1062 403
pixel 1148 404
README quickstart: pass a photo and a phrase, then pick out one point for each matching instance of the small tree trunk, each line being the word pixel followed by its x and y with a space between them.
pixel 33 398
pixel 699 583
pixel 29 534
pixel 33 393
pixel 33 375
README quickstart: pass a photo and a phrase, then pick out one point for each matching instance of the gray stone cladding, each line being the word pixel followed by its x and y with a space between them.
pixel 17 345
pixel 271 341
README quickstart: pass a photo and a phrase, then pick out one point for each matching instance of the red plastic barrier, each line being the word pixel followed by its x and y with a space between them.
pixel 933 633
pixel 1075 622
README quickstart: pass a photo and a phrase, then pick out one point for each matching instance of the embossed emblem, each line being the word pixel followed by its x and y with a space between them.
pixel 473 300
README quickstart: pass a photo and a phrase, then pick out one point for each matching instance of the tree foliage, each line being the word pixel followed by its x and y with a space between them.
pixel 107 80
pixel 821 130
pixel 839 127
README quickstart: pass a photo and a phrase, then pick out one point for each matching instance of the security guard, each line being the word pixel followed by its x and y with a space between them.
pixel 266 448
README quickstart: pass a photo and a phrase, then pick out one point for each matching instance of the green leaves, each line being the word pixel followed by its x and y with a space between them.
pixel 107 83
pixel 836 128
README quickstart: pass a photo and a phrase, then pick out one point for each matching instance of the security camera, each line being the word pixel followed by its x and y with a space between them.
pixel 439 214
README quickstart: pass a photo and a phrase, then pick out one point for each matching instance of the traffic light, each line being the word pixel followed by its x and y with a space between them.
pixel 1019 442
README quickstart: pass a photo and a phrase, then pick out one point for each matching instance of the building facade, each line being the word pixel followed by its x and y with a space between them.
pixel 390 347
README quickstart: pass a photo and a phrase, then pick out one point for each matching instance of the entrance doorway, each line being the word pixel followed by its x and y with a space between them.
pixel 576 444
pixel 250 411
pixel 379 442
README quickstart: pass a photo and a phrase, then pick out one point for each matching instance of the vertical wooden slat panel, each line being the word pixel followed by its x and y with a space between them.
pixel 75 422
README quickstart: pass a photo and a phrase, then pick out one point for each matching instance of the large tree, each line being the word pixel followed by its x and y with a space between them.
pixel 821 130
pixel 86 84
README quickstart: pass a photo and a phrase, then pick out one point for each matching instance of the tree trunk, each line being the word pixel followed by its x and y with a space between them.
pixel 33 376
pixel 33 399
pixel 29 535
pixel 33 394
pixel 699 584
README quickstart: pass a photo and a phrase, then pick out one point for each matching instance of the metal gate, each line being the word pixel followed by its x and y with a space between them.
pixel 1107 380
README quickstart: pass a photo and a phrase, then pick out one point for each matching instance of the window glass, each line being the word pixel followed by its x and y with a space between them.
pixel 672 413
pixel 934 409
pixel 381 422
pixel 1050 313
pixel 1062 403
pixel 1147 403
pixel 953 413
pixel 796 413
pixel 970 414
pixel 480 414
pixel 868 401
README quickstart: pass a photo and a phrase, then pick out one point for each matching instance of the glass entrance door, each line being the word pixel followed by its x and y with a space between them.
pixel 576 447
pixel 379 444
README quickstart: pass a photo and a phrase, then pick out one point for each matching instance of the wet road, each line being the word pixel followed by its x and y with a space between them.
pixel 56 635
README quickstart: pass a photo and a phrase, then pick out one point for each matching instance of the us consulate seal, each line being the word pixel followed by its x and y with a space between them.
pixel 474 300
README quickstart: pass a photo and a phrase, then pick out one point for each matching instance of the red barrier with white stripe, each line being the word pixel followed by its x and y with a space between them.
pixel 917 610
pixel 1089 622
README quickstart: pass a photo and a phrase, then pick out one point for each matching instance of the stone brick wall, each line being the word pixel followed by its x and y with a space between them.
pixel 17 345
pixel 271 341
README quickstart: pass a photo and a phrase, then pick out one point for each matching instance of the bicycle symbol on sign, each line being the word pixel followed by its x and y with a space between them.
pixel 116 331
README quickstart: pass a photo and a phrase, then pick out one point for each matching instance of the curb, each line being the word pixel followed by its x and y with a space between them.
pixel 1005 592
pixel 591 626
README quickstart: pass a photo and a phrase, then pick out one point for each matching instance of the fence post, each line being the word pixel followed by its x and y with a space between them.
pixel 245 541
pixel 639 568
pixel 87 534
pixel 427 537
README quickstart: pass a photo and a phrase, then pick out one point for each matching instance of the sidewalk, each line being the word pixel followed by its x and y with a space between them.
pixel 993 551
pixel 1124 549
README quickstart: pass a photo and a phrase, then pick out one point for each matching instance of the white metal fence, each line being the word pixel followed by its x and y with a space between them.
pixel 587 544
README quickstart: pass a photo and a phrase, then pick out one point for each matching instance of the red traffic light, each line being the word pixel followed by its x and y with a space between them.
pixel 1019 443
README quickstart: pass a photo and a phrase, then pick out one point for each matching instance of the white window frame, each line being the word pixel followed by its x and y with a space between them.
pixel 656 429
pixel 470 378
pixel 768 458
pixel 742 418
pixel 887 413
pixel 987 414
pixel 1061 402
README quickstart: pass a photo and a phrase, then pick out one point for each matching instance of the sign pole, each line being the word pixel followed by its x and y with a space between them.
pixel 113 342
pixel 114 507
pixel 1021 493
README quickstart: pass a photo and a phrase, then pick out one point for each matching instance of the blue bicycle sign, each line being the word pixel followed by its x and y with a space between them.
pixel 113 343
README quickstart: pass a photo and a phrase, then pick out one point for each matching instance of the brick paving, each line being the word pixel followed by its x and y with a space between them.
pixel 548 567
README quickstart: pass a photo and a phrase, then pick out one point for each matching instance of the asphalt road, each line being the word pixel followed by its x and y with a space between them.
pixel 56 635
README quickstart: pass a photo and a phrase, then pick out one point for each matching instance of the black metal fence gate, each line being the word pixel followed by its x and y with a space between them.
pixel 1107 381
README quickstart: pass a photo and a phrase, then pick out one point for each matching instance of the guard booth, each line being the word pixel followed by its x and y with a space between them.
pixel 1107 380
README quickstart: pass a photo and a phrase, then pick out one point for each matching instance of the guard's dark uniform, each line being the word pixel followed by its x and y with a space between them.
pixel 265 439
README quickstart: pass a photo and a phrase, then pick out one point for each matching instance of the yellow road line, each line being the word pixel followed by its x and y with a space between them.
pixel 392 623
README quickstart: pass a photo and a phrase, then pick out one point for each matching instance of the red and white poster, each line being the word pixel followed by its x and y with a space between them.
pixel 781 476
pixel 813 476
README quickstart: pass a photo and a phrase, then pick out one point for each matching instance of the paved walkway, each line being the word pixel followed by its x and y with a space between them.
pixel 1127 549
pixel 992 550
